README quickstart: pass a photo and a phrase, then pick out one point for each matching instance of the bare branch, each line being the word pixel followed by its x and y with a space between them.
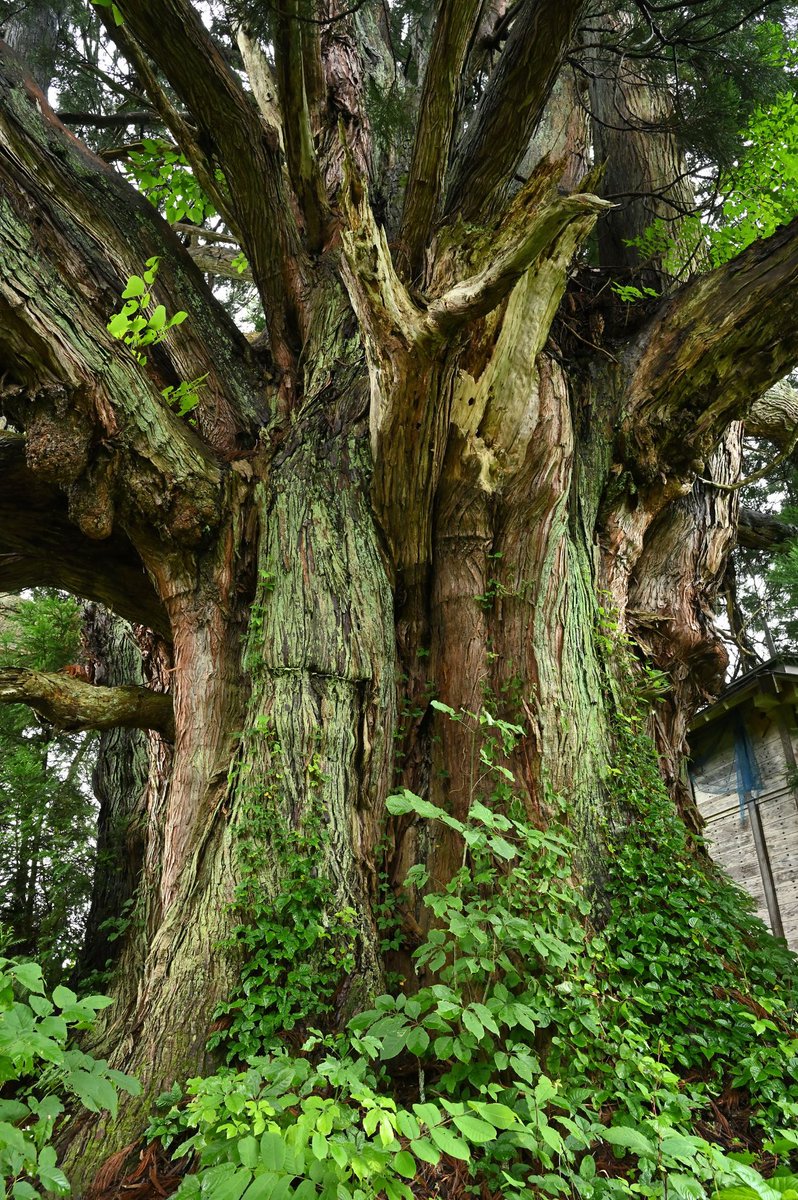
pixel 500 130
pixel 115 120
pixel 435 128
pixel 217 260
pixel 73 705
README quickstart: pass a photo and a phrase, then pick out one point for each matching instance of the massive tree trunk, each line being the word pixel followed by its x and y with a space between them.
pixel 426 485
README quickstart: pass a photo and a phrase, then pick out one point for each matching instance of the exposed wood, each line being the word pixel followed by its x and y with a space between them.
pixel 217 260
pixel 499 132
pixel 261 79
pixel 528 232
pixel 774 415
pixel 74 705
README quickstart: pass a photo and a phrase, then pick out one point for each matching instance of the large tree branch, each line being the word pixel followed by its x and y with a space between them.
pixel 41 547
pixel 499 132
pixel 437 109
pixel 723 338
pixel 762 531
pixel 774 415
pixel 303 166
pixel 74 705
pixel 528 231
pixel 243 147
pixel 110 430
pixel 116 120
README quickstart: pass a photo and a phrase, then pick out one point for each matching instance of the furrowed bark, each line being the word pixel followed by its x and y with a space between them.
pixel 62 283
pixel 303 166
pixel 74 705
pixel 723 338
pixel 120 784
pixel 762 531
pixel 774 415
pixel 500 130
pixel 451 38
pixel 646 173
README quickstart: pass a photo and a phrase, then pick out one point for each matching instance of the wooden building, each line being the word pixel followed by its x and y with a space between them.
pixel 744 771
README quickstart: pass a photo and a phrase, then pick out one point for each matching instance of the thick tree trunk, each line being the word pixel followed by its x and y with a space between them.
pixel 443 495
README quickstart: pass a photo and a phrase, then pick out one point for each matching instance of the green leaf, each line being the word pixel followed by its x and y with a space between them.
pixel 417 1041
pixel 158 319
pixel 446 1141
pixel 135 287
pixel 498 1114
pixel 424 1149
pixel 318 1144
pixel 474 1129
pixel 473 1024
pixel 94 1092
pixel 405 1164
pixel 29 974
pixel 24 1191
pixel 13 1110
pixel 630 1139
pixel 119 325
pixel 272 1151
pixel 263 1187
pixel 228 1185
pixel 248 1151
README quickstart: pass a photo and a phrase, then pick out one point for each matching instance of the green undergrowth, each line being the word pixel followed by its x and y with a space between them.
pixel 641 1046
pixel 42 1072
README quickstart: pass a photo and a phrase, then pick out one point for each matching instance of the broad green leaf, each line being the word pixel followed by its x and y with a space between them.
pixel 158 319
pixel 248 1151
pixel 405 1164
pixel 417 1040
pixel 263 1187
pixel 424 1149
pixel 499 1115
pixel 29 974
pixel 449 1143
pixel 13 1110
pixel 135 287
pixel 631 1139
pixel 474 1129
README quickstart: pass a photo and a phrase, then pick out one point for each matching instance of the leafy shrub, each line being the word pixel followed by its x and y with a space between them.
pixel 549 1056
pixel 39 1070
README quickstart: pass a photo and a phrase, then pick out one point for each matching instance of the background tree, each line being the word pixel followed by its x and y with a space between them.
pixel 46 846
pixel 455 464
